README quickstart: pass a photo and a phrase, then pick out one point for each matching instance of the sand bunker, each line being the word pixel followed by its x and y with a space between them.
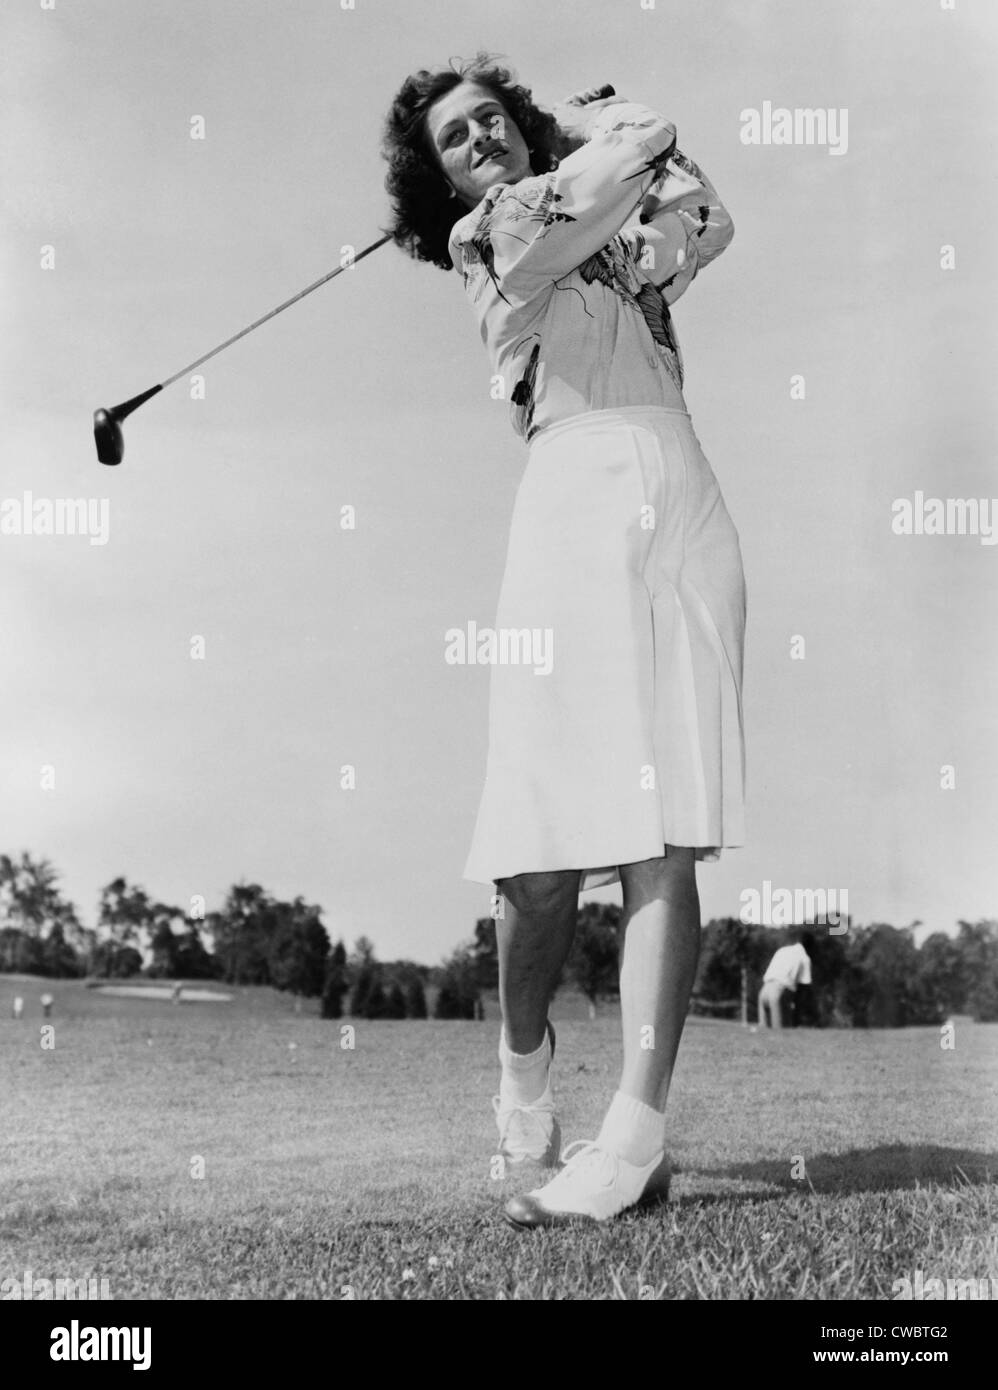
pixel 187 996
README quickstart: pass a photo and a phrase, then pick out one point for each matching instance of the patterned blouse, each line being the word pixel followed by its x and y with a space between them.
pixel 571 273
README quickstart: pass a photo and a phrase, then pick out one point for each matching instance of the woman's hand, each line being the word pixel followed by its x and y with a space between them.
pixel 575 114
pixel 590 94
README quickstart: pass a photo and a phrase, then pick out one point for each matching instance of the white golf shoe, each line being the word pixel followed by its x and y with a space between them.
pixel 530 1133
pixel 594 1185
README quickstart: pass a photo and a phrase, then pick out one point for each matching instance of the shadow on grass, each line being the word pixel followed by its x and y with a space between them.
pixel 888 1168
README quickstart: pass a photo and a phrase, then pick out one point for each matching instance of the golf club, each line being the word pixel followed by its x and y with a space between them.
pixel 107 423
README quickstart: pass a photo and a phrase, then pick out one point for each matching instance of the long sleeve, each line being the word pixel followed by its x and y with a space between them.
pixel 676 236
pixel 536 231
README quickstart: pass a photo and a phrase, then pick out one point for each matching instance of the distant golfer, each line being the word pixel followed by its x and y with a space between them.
pixel 572 233
pixel 790 967
pixel 18 1006
pixel 47 1001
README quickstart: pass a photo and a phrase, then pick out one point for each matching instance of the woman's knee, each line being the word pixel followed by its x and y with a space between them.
pixel 541 894
pixel 671 875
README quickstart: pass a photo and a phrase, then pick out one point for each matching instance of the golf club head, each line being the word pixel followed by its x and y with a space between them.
pixel 107 427
pixel 108 437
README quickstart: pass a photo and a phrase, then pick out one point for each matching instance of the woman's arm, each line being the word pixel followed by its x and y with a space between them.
pixel 679 231
pixel 539 229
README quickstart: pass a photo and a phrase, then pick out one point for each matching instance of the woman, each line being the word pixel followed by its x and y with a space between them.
pixel 573 232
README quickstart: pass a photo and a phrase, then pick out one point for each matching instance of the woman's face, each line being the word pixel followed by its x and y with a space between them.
pixel 476 142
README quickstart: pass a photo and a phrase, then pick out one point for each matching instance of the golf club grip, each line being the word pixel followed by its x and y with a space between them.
pixel 592 94
pixel 565 143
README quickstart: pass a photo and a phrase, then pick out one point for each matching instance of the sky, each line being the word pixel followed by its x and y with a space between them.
pixel 130 248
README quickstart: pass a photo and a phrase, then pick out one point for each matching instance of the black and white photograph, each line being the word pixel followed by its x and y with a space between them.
pixel 499 762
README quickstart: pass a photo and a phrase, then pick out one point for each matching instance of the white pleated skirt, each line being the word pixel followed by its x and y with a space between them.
pixel 615 705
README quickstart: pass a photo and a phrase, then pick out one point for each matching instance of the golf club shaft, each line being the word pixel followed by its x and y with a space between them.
pixel 279 310
pixel 593 93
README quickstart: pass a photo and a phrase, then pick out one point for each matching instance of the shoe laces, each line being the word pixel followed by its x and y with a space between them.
pixel 590 1157
pixel 524 1113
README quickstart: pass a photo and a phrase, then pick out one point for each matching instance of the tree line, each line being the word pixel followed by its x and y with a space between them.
pixel 255 939
pixel 866 976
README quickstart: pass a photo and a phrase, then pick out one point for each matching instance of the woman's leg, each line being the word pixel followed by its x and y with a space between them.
pixel 661 919
pixel 533 936
pixel 627 1163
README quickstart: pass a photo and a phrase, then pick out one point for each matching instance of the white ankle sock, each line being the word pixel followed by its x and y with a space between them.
pixel 524 1075
pixel 632 1130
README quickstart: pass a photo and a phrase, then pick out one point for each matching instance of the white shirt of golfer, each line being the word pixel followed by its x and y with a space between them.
pixel 790 966
pixel 527 246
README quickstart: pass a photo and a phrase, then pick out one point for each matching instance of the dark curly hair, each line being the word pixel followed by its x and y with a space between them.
pixel 424 212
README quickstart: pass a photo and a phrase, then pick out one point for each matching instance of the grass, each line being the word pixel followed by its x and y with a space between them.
pixel 367 1173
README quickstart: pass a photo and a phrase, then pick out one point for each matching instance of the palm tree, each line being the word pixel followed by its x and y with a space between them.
pixel 29 899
